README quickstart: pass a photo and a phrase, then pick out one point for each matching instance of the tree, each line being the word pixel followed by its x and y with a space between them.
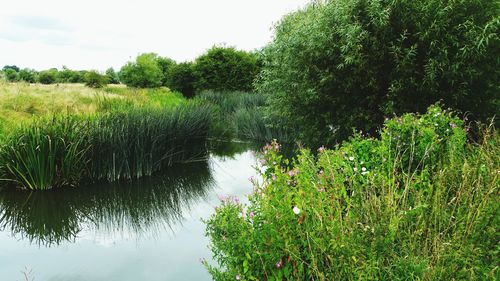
pixel 11 75
pixel 48 76
pixel 112 76
pixel 145 72
pixel 94 79
pixel 181 78
pixel 339 65
pixel 225 69
pixel 27 75
pixel 13 67
pixel 165 64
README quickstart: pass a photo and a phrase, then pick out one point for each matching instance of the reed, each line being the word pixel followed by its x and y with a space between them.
pixel 69 150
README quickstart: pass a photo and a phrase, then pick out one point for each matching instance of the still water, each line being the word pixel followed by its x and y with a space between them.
pixel 150 229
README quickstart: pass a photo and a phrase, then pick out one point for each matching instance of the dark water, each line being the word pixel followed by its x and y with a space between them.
pixel 145 230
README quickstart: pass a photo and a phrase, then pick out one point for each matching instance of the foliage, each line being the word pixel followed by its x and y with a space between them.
pixel 11 75
pixel 225 69
pixel 48 76
pixel 27 75
pixel 165 64
pixel 339 65
pixel 416 204
pixel 94 79
pixel 145 72
pixel 13 67
pixel 112 76
pixel 181 78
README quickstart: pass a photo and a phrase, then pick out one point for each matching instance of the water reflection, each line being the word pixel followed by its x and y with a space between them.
pixel 144 206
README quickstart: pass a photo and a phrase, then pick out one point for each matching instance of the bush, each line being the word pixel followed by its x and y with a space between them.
pixel 416 204
pixel 27 75
pixel 145 72
pixel 94 79
pixel 165 64
pixel 225 69
pixel 11 75
pixel 48 76
pixel 338 65
pixel 112 76
pixel 181 78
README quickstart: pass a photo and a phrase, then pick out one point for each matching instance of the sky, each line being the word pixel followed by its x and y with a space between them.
pixel 98 34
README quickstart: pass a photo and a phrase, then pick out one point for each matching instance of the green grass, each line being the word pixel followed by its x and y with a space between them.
pixel 418 203
pixel 20 102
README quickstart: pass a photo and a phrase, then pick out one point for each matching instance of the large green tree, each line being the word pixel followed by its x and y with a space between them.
pixel 225 69
pixel 343 64
pixel 144 72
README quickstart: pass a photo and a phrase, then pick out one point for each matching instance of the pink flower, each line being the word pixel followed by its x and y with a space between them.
pixel 273 177
pixel 251 214
pixel 293 172
pixel 222 198
pixel 279 264
pixel 321 172
pixel 321 149
pixel 238 277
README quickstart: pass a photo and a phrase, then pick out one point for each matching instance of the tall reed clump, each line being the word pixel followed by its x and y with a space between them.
pixel 129 145
pixel 419 203
pixel 70 150
pixel 242 115
pixel 50 152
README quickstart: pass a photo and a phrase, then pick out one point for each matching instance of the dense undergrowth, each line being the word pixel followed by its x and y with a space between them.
pixel 418 203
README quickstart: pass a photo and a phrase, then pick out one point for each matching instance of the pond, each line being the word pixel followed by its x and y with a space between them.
pixel 149 229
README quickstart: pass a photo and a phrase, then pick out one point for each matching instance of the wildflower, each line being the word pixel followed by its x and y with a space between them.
pixel 236 200
pixel 238 277
pixel 351 158
pixel 363 169
pixel 355 169
pixel 293 172
pixel 321 149
pixel 273 177
pixel 296 210
pixel 279 264
pixel 252 214
pixel 222 198
pixel 321 172
pixel 364 173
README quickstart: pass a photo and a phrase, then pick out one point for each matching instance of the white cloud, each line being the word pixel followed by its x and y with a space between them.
pixel 96 34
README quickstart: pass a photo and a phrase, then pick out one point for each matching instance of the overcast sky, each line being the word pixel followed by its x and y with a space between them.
pixel 97 34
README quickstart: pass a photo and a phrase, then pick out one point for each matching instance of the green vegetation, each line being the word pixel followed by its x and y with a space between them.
pixel 225 69
pixel 182 79
pixel 241 115
pixel 339 65
pixel 145 72
pixel 94 79
pixel 416 204
pixel 68 150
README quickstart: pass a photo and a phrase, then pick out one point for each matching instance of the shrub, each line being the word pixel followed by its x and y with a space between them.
pixel 225 69
pixel 11 75
pixel 181 78
pixel 112 76
pixel 48 76
pixel 27 75
pixel 416 204
pixel 165 64
pixel 338 65
pixel 94 79
pixel 145 72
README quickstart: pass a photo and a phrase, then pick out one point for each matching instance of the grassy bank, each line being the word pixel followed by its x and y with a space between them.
pixel 19 102
pixel 418 203
pixel 241 115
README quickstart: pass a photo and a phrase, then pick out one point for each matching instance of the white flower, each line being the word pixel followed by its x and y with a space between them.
pixel 351 158
pixel 355 169
pixel 365 173
pixel 296 210
pixel 363 169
